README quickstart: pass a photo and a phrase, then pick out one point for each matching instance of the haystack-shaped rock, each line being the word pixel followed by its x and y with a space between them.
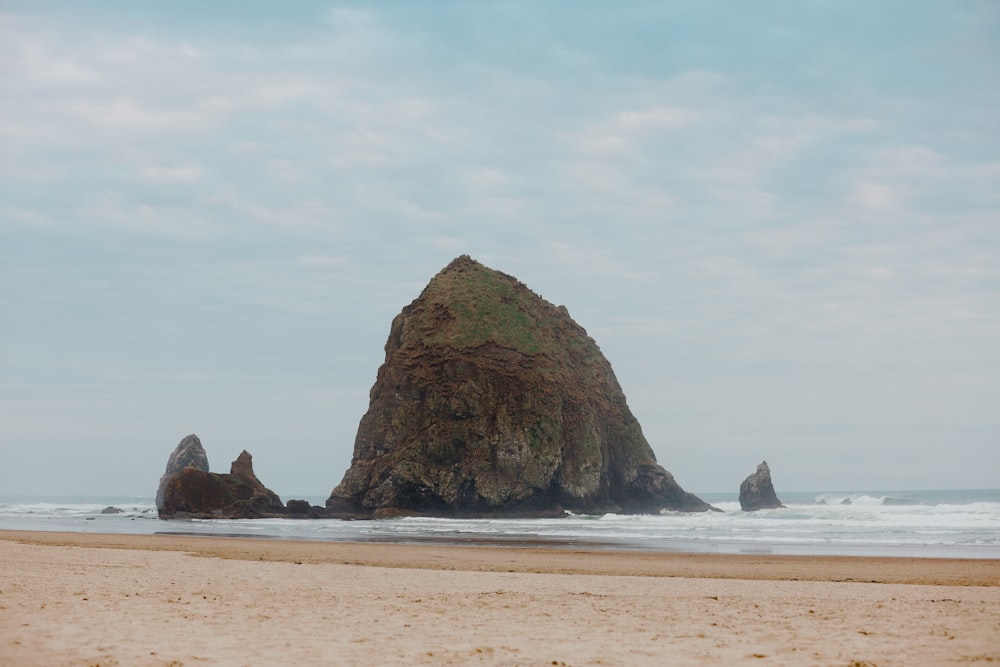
pixel 493 401
pixel 188 452
pixel 757 491
pixel 195 493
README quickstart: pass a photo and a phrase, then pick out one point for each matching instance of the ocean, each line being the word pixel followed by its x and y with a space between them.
pixel 944 524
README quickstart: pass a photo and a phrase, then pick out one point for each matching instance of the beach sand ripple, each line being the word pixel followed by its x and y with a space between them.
pixel 71 599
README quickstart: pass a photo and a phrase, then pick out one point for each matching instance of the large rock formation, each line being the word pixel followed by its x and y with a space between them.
pixel 188 452
pixel 493 401
pixel 757 492
pixel 199 494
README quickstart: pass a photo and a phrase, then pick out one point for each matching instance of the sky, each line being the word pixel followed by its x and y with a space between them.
pixel 779 220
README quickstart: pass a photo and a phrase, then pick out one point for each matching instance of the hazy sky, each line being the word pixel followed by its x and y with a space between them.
pixel 779 220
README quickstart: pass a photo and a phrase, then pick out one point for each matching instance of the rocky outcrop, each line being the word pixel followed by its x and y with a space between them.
pixel 298 507
pixel 301 509
pixel 199 494
pixel 757 492
pixel 188 452
pixel 492 401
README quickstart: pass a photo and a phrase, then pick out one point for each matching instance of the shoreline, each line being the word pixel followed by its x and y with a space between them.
pixel 84 599
pixel 529 536
pixel 490 556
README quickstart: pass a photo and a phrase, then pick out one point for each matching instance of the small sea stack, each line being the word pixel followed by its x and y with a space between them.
pixel 196 493
pixel 757 491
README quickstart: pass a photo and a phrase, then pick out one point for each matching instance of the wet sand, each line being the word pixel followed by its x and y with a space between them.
pixel 98 599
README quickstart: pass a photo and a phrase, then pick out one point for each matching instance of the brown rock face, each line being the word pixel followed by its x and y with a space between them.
pixel 493 401
pixel 199 494
pixel 757 491
pixel 188 452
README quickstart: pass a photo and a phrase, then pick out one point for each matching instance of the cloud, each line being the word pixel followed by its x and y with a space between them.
pixel 167 175
pixel 315 215
pixel 111 211
pixel 620 133
pixel 877 196
pixel 287 181
pixel 143 51
pixel 34 62
pixel 322 260
pixel 26 217
pixel 879 272
pixel 653 119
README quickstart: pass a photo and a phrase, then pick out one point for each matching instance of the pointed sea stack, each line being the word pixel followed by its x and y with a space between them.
pixel 492 401
pixel 188 452
pixel 757 491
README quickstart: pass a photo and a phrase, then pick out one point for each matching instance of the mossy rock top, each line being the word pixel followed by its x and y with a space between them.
pixel 467 306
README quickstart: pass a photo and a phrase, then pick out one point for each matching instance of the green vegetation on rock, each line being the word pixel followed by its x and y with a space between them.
pixel 485 306
pixel 493 400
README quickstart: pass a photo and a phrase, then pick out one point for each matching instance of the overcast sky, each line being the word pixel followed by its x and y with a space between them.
pixel 779 220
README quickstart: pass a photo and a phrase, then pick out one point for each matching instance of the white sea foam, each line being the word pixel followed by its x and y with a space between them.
pixel 931 523
pixel 862 499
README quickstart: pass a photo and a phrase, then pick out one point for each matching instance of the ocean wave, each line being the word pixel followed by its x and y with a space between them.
pixel 934 523
pixel 70 510
pixel 863 499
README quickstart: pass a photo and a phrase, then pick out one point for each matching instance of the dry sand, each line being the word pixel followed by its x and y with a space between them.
pixel 85 599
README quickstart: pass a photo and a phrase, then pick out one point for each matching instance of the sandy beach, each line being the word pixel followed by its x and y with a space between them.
pixel 94 599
